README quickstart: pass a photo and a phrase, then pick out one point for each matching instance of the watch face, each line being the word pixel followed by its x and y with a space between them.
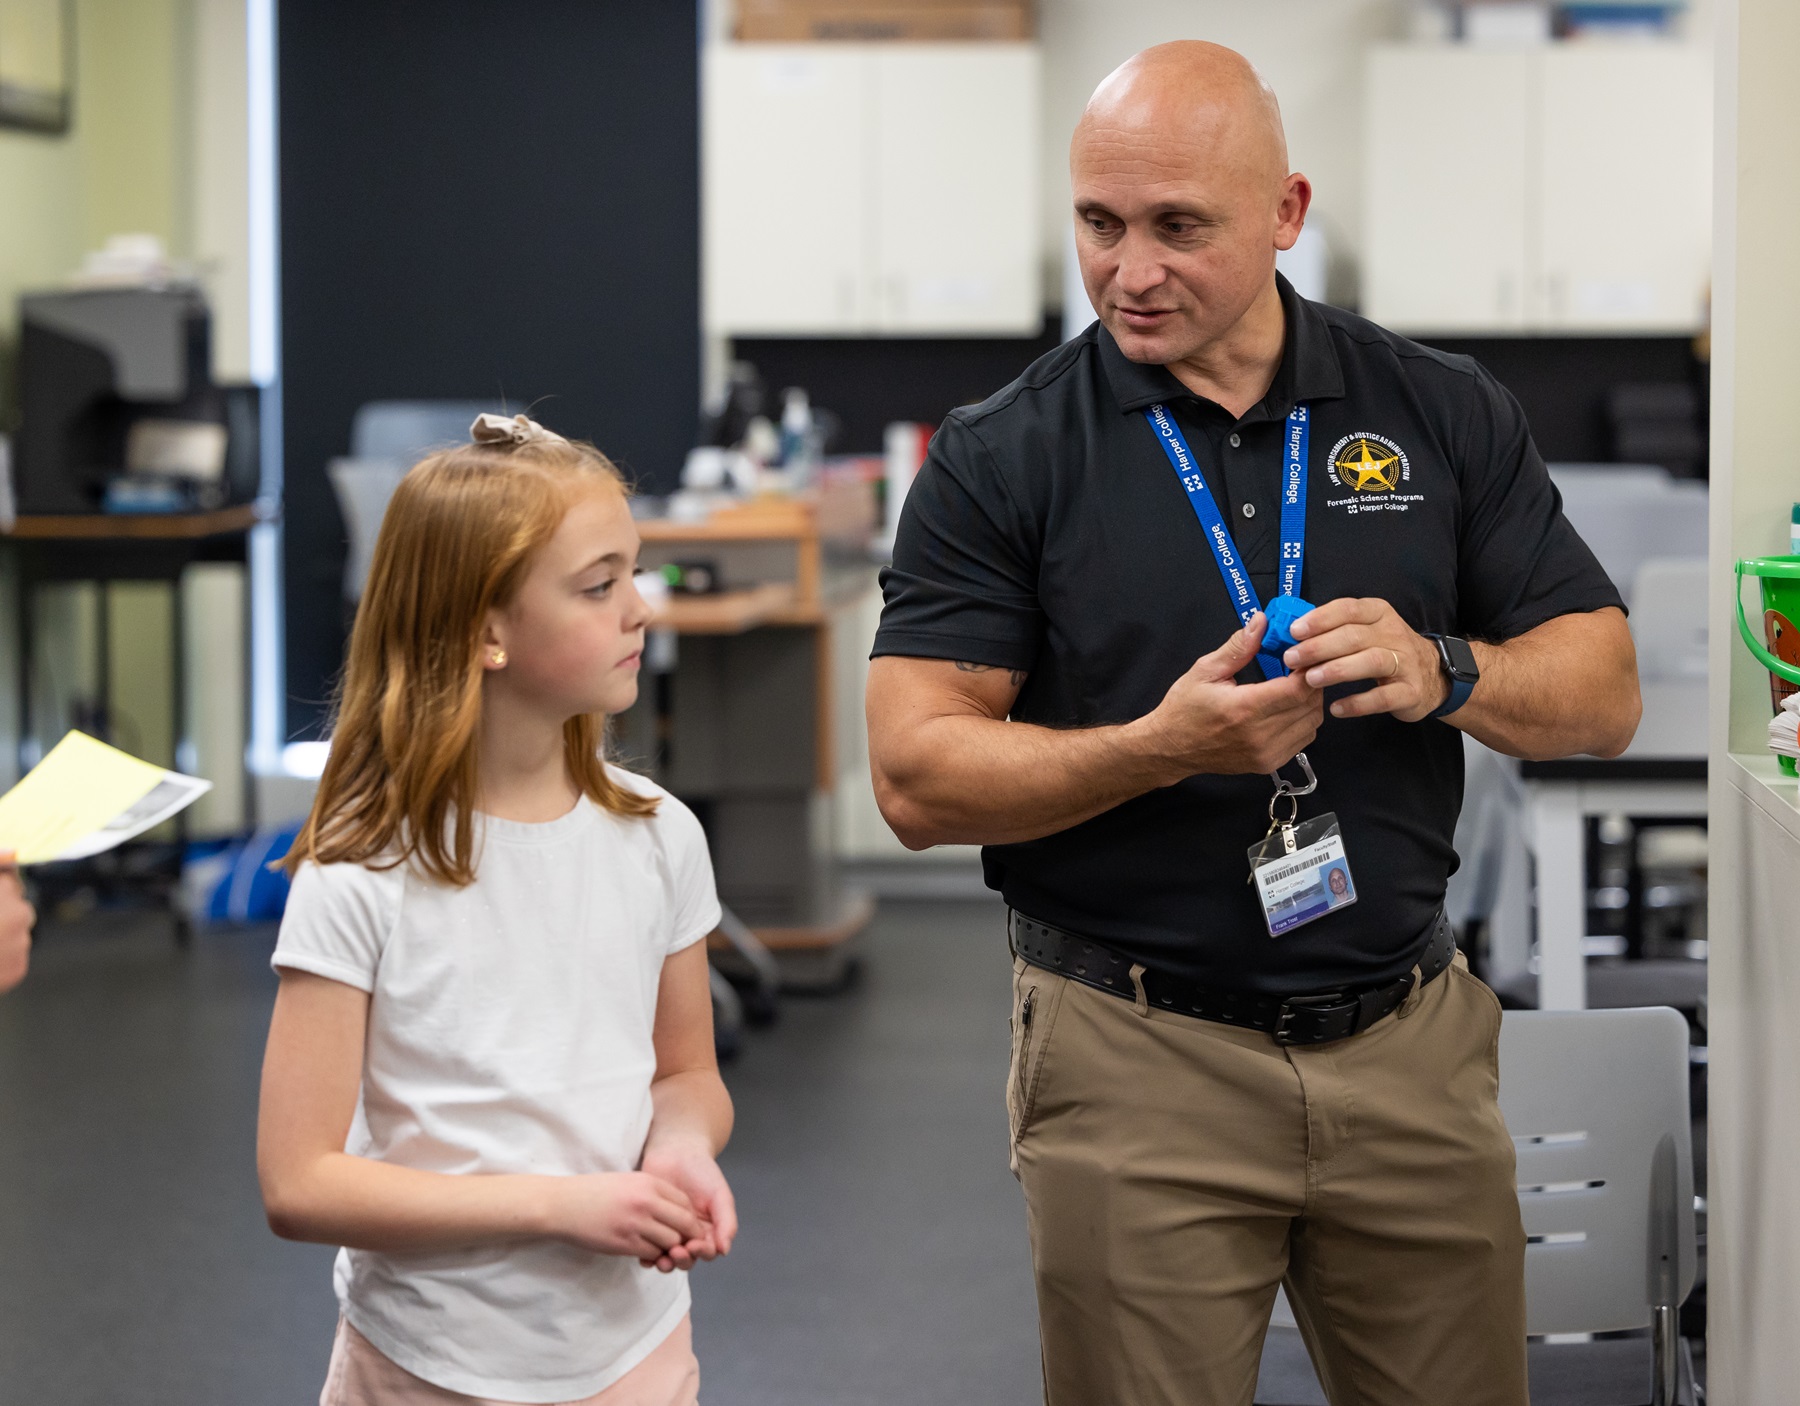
pixel 1461 658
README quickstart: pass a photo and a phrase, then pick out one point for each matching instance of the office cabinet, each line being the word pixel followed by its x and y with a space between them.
pixel 853 189
pixel 1564 188
pixel 1446 188
pixel 784 193
pixel 1626 182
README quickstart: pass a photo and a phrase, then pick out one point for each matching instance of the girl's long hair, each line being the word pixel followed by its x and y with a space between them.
pixel 400 784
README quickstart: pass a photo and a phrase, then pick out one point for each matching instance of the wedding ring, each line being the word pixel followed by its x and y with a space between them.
pixel 1396 668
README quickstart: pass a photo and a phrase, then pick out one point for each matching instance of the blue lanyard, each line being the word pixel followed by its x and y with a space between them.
pixel 1293 514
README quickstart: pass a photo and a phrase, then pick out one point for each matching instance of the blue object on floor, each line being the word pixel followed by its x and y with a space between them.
pixel 241 887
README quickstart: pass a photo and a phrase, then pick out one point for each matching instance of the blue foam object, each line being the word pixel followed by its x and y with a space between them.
pixel 1283 611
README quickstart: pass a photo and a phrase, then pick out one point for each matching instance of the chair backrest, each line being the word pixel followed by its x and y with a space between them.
pixel 1597 1103
pixel 363 487
pixel 408 430
pixel 1629 513
pixel 1668 617
pixel 388 437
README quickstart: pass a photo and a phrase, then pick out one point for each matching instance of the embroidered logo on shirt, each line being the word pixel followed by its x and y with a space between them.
pixel 1375 470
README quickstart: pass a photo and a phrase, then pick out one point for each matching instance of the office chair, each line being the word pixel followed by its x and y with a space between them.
pixel 1597 1103
pixel 387 437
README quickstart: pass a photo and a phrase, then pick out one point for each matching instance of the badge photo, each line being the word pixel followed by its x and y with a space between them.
pixel 1301 874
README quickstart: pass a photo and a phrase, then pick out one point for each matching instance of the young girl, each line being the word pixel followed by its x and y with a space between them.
pixel 490 1073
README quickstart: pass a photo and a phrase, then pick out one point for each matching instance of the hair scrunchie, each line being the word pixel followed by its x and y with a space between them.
pixel 518 429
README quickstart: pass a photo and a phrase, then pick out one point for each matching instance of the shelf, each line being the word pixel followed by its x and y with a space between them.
pixel 89 527
pixel 1759 778
pixel 759 520
pixel 733 612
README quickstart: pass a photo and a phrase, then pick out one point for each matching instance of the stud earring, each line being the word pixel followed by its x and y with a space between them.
pixel 499 659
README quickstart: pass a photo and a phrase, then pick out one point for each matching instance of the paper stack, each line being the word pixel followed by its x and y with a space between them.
pixel 1784 728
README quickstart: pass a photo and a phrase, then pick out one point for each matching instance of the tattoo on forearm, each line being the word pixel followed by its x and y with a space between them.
pixel 969 667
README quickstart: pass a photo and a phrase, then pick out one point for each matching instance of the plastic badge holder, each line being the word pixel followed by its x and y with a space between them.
pixel 1301 873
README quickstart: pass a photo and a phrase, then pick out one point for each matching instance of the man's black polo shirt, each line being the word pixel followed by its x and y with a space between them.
pixel 1048 533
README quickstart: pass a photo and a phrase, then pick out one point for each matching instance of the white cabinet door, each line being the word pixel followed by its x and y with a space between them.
pixel 956 189
pixel 1625 187
pixel 1446 199
pixel 785 160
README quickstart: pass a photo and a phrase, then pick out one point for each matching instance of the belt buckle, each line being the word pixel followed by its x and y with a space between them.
pixel 1292 1009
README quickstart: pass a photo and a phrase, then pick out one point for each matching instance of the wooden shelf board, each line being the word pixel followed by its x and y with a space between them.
pixel 756 521
pixel 728 612
pixel 102 526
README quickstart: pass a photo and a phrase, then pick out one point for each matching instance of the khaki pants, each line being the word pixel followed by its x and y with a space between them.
pixel 1176 1170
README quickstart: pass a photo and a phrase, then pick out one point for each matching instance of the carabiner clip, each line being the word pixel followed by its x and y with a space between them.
pixel 1283 787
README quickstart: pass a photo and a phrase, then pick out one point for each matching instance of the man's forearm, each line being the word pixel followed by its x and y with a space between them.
pixel 977 780
pixel 1567 688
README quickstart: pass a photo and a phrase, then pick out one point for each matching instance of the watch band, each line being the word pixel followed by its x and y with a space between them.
pixel 1460 689
pixel 1461 686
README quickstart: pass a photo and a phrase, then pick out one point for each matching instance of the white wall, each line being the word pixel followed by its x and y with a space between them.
pixel 219 156
pixel 1753 1269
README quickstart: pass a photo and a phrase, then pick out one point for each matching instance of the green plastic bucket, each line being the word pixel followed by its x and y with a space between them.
pixel 1778 650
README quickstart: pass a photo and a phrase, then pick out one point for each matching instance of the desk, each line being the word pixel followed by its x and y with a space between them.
pixel 102 548
pixel 741 721
pixel 1662 773
pixel 105 547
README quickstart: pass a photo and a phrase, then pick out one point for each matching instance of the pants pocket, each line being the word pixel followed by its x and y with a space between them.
pixel 1034 1012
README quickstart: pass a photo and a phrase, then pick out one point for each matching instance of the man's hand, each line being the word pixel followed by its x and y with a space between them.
pixel 694 1173
pixel 1347 640
pixel 1208 722
pixel 16 918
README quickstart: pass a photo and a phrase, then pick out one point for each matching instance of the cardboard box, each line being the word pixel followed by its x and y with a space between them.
pixel 921 20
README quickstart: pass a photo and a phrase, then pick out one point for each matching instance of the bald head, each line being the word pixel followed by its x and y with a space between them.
pixel 1183 197
pixel 1191 94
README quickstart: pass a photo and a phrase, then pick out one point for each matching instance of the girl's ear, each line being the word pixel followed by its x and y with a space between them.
pixel 493 642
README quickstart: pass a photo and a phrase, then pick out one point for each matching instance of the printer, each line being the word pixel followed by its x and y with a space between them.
pixel 118 410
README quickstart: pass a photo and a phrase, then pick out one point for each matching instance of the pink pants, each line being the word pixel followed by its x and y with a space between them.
pixel 361 1375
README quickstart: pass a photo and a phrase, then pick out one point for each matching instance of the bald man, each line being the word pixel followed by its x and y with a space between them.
pixel 1245 1049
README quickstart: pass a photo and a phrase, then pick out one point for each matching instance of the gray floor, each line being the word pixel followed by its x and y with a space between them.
pixel 883 1258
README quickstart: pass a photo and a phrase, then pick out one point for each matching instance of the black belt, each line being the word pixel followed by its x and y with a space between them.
pixel 1295 1020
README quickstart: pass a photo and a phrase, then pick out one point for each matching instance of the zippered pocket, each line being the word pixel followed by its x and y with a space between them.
pixel 1031 1031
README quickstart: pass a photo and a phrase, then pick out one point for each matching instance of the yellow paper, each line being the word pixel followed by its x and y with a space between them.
pixel 80 787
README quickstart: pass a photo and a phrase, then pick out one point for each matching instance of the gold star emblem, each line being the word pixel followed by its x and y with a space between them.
pixel 1361 467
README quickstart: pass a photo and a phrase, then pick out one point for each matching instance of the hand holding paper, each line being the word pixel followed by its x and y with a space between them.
pixel 16 918
pixel 85 797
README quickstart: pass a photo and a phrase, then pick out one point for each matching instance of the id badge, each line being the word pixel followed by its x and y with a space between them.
pixel 1301 873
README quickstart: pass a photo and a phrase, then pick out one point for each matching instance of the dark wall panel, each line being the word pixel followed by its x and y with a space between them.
pixel 869 381
pixel 480 199
pixel 1561 383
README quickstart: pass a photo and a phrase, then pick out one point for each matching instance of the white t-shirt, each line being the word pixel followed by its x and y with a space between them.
pixel 510 1031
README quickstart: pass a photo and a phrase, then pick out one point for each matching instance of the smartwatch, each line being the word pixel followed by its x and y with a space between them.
pixel 1458 663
